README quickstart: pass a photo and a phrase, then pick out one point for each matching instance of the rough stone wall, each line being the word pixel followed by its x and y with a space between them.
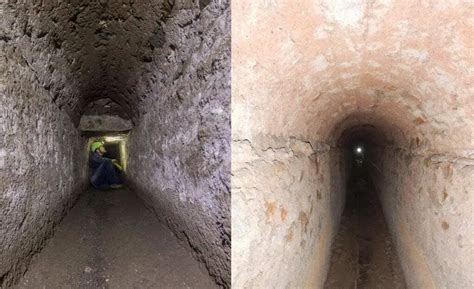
pixel 104 115
pixel 38 29
pixel 308 70
pixel 92 49
pixel 180 148
pixel 42 159
pixel 288 209
pixel 428 202
pixel 104 123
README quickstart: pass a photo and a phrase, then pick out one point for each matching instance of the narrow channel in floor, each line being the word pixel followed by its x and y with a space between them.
pixel 363 255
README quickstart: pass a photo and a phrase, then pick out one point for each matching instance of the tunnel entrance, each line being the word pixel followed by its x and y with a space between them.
pixel 363 255
pixel 106 120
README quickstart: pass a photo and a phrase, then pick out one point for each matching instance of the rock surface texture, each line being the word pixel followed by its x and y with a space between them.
pixel 188 113
pixel 42 156
pixel 110 240
pixel 307 73
pixel 160 68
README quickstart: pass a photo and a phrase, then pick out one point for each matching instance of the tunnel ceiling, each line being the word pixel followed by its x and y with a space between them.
pixel 85 50
pixel 105 106
pixel 376 127
pixel 326 60
pixel 369 134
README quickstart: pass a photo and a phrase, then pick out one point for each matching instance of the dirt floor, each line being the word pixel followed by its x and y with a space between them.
pixel 363 255
pixel 110 240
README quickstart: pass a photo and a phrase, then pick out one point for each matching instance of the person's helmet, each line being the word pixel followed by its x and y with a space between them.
pixel 95 145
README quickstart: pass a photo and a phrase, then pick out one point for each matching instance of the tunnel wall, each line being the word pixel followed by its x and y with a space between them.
pixel 289 205
pixel 180 148
pixel 42 158
pixel 401 66
pixel 427 202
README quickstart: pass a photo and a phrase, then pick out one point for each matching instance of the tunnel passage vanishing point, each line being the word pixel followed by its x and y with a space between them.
pixel 323 67
pixel 163 68
pixel 363 254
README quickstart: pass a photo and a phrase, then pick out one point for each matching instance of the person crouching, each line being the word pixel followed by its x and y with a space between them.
pixel 104 173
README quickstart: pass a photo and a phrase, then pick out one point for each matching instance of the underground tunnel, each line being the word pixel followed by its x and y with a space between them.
pixel 153 80
pixel 362 253
pixel 312 80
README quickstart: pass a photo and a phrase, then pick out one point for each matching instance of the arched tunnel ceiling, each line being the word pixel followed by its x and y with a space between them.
pixel 325 60
pixel 362 129
pixel 82 51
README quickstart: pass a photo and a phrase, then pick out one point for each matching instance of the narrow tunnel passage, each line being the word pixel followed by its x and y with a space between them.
pixel 300 70
pixel 110 239
pixel 363 255
pixel 154 77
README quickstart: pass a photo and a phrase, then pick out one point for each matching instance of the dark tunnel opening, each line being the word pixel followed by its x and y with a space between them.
pixel 363 254
pixel 112 151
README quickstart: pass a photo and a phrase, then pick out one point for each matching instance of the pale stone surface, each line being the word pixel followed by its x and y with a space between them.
pixel 303 71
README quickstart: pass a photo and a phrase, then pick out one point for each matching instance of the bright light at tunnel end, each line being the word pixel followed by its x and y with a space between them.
pixel 114 138
pixel 359 150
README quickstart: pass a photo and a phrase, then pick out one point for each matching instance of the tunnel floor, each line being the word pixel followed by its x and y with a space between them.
pixel 363 255
pixel 110 240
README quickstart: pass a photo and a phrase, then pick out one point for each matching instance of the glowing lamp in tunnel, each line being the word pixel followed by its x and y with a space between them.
pixel 359 150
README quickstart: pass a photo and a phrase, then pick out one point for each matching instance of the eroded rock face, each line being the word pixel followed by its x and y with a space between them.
pixel 42 160
pixel 105 106
pixel 310 70
pixel 104 123
pixel 91 49
pixel 180 148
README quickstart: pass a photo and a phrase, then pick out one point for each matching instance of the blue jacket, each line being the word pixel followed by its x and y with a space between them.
pixel 102 172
